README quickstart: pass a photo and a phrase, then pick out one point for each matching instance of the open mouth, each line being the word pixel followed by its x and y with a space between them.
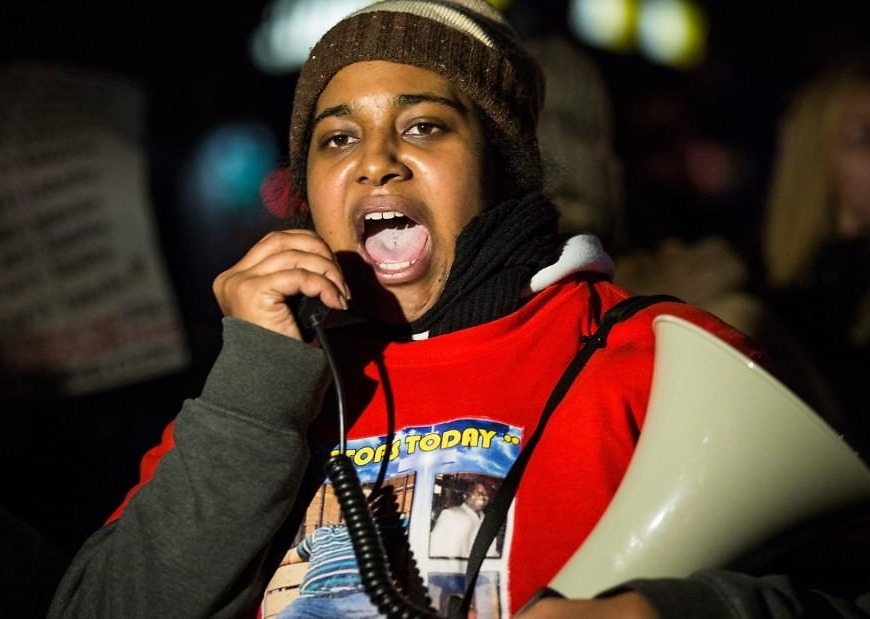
pixel 395 245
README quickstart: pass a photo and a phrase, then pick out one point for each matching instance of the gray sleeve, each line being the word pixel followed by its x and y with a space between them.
pixel 722 594
pixel 191 542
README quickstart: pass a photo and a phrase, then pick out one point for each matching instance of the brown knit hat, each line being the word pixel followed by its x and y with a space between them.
pixel 466 41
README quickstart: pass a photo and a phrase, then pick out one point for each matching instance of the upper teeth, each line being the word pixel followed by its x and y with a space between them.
pixel 382 215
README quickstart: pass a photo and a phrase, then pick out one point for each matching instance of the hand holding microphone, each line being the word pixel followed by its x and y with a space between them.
pixel 626 605
pixel 282 265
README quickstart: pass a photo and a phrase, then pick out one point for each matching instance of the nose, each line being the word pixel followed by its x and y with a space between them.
pixel 381 162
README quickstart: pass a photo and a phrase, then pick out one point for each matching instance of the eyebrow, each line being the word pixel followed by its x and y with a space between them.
pixel 337 110
pixel 406 100
pixel 414 99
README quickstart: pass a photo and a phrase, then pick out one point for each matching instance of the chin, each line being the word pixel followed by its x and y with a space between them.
pixel 389 303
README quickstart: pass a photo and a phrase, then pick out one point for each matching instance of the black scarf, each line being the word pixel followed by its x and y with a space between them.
pixel 496 255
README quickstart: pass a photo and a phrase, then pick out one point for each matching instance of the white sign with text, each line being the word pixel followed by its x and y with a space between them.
pixel 85 302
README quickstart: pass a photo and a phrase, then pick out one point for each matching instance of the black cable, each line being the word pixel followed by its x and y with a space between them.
pixel 370 553
pixel 364 534
pixel 316 323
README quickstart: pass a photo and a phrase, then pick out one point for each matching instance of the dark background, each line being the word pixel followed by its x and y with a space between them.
pixel 67 462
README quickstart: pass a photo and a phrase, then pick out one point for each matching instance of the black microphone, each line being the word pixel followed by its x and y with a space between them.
pixel 311 313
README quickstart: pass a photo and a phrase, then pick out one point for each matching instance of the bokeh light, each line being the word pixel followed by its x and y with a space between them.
pixel 228 167
pixel 501 5
pixel 672 32
pixel 607 24
pixel 290 28
pixel 667 32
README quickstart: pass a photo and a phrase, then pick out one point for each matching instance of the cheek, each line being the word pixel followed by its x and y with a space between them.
pixel 328 223
pixel 325 199
pixel 319 185
pixel 466 182
pixel 328 218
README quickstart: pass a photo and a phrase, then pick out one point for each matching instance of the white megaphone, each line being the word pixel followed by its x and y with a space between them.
pixel 728 458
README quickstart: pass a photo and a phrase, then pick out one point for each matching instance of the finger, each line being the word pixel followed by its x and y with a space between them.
pixel 302 251
pixel 316 286
pixel 262 300
pixel 280 240
pixel 296 260
pixel 245 294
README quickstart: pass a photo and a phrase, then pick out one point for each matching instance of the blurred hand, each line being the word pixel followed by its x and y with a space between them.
pixel 628 605
pixel 281 265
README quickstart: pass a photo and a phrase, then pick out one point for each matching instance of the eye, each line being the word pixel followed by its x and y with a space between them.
pixel 337 140
pixel 424 128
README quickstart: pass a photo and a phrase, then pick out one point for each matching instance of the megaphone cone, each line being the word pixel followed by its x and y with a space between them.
pixel 727 458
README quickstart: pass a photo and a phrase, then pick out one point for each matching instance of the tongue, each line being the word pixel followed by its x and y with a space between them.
pixel 396 244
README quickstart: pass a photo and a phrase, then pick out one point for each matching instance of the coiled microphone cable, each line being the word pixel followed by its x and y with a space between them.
pixel 371 556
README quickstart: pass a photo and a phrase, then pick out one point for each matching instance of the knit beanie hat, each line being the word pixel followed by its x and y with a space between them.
pixel 466 41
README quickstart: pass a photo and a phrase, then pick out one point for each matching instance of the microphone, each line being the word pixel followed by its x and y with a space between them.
pixel 311 313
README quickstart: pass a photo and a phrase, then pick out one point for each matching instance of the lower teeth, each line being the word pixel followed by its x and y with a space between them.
pixel 394 266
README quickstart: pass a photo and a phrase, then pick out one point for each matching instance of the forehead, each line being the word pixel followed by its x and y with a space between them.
pixel 379 77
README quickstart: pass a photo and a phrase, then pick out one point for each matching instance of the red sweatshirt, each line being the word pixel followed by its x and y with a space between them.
pixel 462 405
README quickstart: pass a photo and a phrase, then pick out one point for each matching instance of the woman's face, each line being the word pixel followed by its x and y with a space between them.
pixel 852 165
pixel 395 172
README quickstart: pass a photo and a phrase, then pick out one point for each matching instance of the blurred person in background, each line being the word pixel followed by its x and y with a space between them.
pixel 582 173
pixel 816 235
pixel 658 246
